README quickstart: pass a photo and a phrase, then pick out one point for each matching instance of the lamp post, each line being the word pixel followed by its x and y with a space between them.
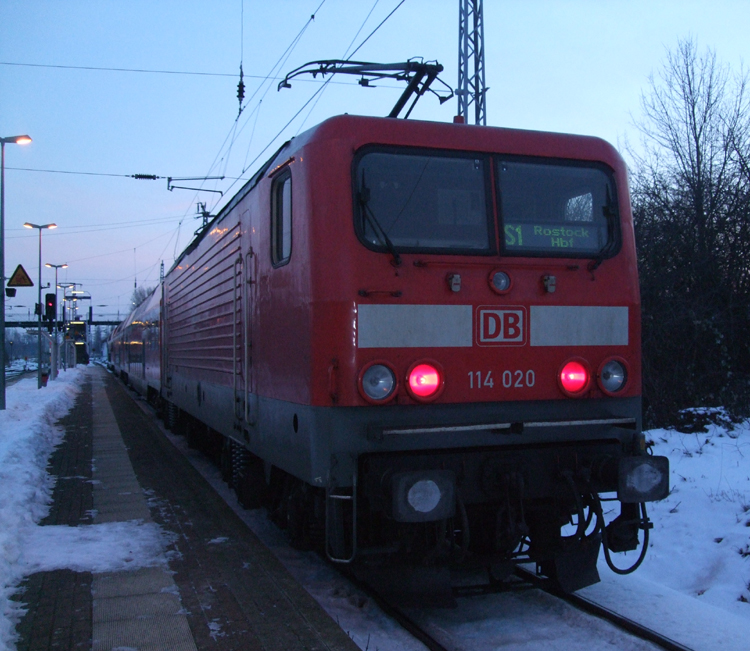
pixel 17 140
pixel 40 228
pixel 70 302
pixel 55 350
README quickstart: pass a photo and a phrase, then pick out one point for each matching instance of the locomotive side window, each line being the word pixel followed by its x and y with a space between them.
pixel 559 209
pixel 420 202
pixel 281 219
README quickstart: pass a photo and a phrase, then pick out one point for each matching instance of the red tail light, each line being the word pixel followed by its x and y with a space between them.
pixel 574 377
pixel 425 381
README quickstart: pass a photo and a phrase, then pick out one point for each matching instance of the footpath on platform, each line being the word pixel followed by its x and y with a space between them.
pixel 115 465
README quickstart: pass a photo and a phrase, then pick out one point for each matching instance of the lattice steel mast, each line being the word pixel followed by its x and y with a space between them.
pixel 471 88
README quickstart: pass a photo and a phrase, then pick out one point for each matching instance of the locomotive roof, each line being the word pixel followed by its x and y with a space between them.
pixel 362 130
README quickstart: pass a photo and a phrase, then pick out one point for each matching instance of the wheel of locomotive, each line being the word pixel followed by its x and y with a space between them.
pixel 192 433
pixel 294 512
pixel 170 416
pixel 304 515
pixel 225 462
pixel 248 478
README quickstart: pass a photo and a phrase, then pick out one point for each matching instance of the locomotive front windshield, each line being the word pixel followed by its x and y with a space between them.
pixel 412 201
pixel 415 202
pixel 556 209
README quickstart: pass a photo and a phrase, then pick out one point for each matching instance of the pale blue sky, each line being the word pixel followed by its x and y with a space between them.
pixel 574 66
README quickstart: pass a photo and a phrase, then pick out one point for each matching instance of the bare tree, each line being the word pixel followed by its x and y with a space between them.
pixel 691 199
pixel 140 294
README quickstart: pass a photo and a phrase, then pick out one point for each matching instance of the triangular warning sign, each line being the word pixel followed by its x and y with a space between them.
pixel 20 278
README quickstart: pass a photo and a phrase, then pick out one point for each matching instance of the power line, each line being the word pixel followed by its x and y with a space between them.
pixel 312 108
pixel 29 169
pixel 139 177
pixel 233 132
pixel 377 28
pixel 317 92
pixel 144 70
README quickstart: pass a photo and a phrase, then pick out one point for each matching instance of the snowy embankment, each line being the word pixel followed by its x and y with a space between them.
pixel 700 544
pixel 28 436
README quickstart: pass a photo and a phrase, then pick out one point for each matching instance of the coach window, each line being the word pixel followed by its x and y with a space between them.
pixel 281 219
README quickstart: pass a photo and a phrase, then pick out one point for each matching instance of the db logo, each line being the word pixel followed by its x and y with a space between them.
pixel 501 327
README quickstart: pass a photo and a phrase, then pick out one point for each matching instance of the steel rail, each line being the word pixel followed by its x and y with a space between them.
pixel 406 622
pixel 586 605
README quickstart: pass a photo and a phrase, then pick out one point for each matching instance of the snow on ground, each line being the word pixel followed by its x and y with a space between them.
pixel 697 569
pixel 700 544
pixel 652 595
pixel 28 436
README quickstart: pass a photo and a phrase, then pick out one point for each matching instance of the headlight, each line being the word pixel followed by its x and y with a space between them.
pixel 423 495
pixel 643 479
pixel 378 382
pixel 500 282
pixel 613 376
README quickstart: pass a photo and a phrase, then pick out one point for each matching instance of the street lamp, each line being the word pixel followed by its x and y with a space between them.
pixel 17 140
pixel 40 228
pixel 55 353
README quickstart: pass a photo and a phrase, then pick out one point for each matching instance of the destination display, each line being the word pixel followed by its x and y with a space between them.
pixel 576 238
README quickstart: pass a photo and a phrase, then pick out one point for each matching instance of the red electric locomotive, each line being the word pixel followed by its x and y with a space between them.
pixel 420 343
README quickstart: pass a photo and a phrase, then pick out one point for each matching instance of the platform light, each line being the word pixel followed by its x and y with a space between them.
pixel 9 140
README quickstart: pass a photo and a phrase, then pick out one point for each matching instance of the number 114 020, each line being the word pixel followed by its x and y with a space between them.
pixel 508 379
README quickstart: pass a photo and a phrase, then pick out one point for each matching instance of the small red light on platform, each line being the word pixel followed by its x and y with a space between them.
pixel 574 377
pixel 424 380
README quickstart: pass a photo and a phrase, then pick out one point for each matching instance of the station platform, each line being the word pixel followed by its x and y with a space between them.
pixel 115 465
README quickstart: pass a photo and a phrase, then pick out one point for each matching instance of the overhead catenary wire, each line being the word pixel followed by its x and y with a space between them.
pixel 361 27
pixel 277 66
pixel 377 28
pixel 233 133
pixel 160 72
pixel 140 70
pixel 317 92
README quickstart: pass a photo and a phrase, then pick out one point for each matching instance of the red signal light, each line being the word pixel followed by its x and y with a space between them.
pixel 425 381
pixel 574 377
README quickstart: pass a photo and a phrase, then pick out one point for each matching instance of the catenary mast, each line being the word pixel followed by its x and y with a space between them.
pixel 471 89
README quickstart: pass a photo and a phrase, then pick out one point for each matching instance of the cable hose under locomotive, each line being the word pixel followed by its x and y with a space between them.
pixel 583 522
pixel 595 507
pixel 643 523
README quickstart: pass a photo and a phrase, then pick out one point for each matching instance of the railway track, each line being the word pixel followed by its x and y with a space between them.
pixel 586 605
pixel 11 377
pixel 525 579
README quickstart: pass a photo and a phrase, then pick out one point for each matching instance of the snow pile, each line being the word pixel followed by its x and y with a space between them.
pixel 28 435
pixel 700 544
pixel 108 547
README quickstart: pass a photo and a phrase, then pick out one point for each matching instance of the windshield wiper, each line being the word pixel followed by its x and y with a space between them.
pixel 364 201
pixel 612 214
